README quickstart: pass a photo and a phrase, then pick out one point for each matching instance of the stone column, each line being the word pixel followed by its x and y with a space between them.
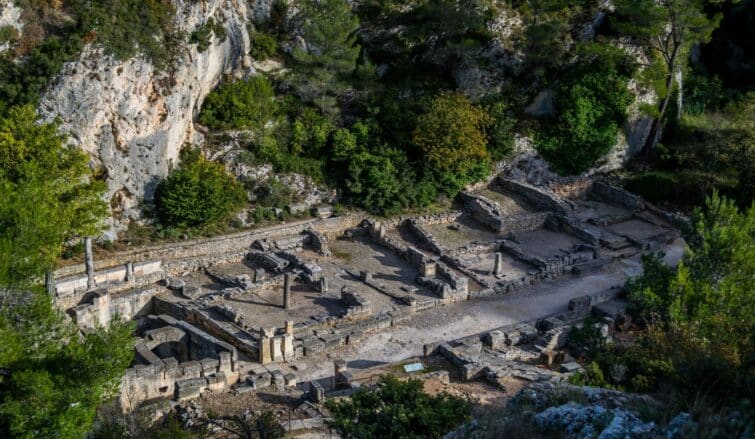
pixel 50 284
pixel 89 262
pixel 498 267
pixel 129 271
pixel 323 284
pixel 287 291
pixel 265 350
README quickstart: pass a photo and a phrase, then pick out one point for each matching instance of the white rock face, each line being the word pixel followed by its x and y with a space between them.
pixel 10 15
pixel 132 119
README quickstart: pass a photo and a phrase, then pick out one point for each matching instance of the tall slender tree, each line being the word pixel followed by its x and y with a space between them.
pixel 667 29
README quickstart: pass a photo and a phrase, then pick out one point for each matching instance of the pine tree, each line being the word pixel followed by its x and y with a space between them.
pixel 321 69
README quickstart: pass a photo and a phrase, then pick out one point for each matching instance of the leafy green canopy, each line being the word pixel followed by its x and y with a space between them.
pixel 54 378
pixel 329 29
pixel 591 105
pixel 48 196
pixel 51 377
pixel 453 140
pixel 699 347
pixel 397 409
pixel 198 193
pixel 666 29
pixel 247 104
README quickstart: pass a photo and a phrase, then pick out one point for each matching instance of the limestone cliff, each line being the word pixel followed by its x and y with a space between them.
pixel 133 119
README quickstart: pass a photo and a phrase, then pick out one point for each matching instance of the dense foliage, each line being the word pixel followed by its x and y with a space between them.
pixel 48 196
pixel 591 106
pixel 241 105
pixel 397 409
pixel 52 378
pixel 699 346
pixel 453 141
pixel 320 70
pixel 199 192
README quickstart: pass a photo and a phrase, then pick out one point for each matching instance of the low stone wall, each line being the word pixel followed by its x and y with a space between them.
pixel 426 237
pixel 102 307
pixel 70 291
pixel 541 198
pixel 330 227
pixel 483 210
pixel 616 195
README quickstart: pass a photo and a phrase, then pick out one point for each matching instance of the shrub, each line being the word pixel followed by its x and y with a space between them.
pixel 247 104
pixel 129 27
pixel 453 141
pixel 203 34
pixel 198 193
pixel 263 46
pixel 397 409
pixel 591 104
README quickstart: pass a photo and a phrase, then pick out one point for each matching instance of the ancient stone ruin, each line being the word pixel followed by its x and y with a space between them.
pixel 232 311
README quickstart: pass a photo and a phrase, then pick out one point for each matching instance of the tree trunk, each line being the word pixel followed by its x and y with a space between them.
pixel 655 127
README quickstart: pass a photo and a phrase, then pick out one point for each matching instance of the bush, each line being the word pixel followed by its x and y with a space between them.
pixel 198 193
pixel 129 27
pixel 453 141
pixel 241 105
pixel 202 36
pixel 397 409
pixel 263 46
pixel 591 104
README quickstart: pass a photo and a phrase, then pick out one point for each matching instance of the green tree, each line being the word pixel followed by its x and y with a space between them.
pixel 199 192
pixel 397 409
pixel 373 183
pixel 699 346
pixel 48 196
pixel 453 140
pixel 320 70
pixel 667 29
pixel 247 104
pixel 591 105
pixel 52 378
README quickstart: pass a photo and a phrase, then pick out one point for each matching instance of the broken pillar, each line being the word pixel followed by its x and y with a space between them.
pixel 265 350
pixel 288 341
pixel 323 284
pixel 277 348
pixel 129 271
pixel 89 262
pixel 287 291
pixel 498 266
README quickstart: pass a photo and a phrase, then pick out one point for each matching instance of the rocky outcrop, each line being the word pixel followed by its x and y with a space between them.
pixel 10 16
pixel 133 119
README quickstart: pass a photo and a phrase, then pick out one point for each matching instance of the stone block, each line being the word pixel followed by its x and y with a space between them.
pixel 527 333
pixel 570 367
pixel 191 369
pixel 290 380
pixel 278 380
pixel 259 381
pixel 495 340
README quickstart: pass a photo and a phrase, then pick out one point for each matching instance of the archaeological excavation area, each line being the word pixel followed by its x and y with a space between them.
pixel 246 312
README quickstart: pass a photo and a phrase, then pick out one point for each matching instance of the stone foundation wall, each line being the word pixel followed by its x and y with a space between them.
pixel 330 227
pixel 616 195
pixel 541 198
pixel 71 290
pixel 102 307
